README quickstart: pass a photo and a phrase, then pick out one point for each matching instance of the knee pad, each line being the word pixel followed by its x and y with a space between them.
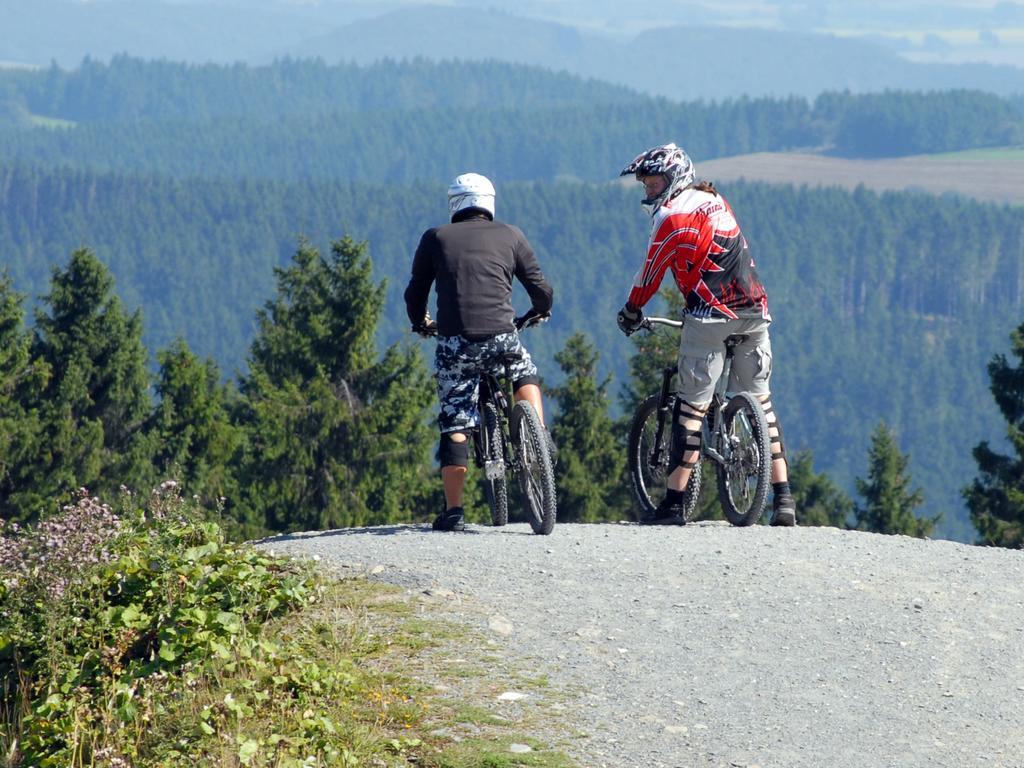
pixel 452 453
pixel 777 443
pixel 522 382
pixel 684 439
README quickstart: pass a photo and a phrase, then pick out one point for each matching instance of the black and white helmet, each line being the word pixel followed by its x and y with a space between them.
pixel 667 160
pixel 471 190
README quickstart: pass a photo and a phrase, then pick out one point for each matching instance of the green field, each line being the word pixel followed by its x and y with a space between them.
pixel 1012 154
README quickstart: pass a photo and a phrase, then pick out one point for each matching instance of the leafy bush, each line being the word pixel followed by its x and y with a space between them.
pixel 107 615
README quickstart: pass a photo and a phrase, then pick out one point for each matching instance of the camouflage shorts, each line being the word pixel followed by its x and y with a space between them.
pixel 460 362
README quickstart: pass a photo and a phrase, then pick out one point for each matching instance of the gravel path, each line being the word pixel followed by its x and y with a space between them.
pixel 710 645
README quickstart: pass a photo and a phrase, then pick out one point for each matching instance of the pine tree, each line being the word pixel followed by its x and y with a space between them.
pixel 818 500
pixel 590 466
pixel 889 504
pixel 96 400
pixel 194 440
pixel 20 377
pixel 996 497
pixel 337 435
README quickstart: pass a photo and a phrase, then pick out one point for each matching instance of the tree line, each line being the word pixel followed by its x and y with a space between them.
pixel 326 430
pixel 320 432
pixel 304 119
pixel 129 89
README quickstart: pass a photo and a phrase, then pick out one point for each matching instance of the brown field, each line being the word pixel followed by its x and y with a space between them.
pixel 993 176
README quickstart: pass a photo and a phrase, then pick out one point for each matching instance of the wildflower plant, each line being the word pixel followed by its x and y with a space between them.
pixel 49 557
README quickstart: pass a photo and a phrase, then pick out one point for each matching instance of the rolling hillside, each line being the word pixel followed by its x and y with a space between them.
pixel 758 61
pixel 727 61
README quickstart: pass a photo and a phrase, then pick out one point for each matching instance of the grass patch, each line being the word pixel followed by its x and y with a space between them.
pixel 990 153
pixel 175 647
pixel 477 753
pixel 475 714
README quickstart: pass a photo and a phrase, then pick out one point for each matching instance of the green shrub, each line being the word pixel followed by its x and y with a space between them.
pixel 107 615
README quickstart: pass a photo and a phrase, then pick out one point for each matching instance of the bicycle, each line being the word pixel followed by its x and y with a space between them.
pixel 735 439
pixel 511 428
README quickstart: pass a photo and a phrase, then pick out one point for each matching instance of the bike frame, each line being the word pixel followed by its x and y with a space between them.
pixel 491 390
pixel 714 445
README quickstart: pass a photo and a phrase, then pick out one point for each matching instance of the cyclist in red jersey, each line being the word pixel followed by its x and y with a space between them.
pixel 694 234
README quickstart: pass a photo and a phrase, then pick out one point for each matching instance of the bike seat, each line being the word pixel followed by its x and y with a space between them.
pixel 735 339
pixel 510 357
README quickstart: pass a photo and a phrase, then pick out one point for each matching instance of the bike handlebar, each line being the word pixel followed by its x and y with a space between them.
pixel 526 321
pixel 647 322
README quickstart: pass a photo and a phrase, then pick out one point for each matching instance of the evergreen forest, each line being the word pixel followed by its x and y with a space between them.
pixel 420 121
pixel 203 203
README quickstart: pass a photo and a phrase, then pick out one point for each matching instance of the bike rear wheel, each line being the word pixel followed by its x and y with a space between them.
pixel 648 458
pixel 495 488
pixel 745 475
pixel 533 465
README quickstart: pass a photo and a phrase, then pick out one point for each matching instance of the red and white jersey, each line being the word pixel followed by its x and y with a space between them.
pixel 696 236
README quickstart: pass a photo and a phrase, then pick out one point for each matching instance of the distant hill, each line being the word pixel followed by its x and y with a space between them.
pixel 128 89
pixel 681 62
pixel 993 175
pixel 66 31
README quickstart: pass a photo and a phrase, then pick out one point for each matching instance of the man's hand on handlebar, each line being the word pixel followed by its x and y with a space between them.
pixel 426 328
pixel 532 317
pixel 629 319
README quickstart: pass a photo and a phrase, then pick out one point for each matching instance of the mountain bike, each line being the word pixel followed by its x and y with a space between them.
pixel 509 438
pixel 735 439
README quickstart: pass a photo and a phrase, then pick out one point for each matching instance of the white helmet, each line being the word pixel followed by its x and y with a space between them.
pixel 471 190
pixel 668 161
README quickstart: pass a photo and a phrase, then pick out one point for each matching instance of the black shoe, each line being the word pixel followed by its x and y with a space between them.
pixel 783 510
pixel 665 514
pixel 450 520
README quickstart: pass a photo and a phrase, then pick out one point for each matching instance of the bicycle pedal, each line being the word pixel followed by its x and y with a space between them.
pixel 494 469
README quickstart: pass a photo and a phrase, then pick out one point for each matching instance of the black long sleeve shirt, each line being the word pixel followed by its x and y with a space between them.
pixel 473 262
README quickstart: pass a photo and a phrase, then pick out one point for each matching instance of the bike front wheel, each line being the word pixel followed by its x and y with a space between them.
pixel 745 474
pixel 648 451
pixel 533 465
pixel 495 489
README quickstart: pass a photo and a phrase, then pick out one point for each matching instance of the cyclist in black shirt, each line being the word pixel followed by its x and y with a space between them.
pixel 472 261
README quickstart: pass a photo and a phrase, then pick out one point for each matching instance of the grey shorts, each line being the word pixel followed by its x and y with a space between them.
pixel 460 362
pixel 702 357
